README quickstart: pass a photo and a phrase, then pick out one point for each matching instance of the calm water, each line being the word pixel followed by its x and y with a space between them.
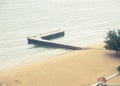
pixel 84 21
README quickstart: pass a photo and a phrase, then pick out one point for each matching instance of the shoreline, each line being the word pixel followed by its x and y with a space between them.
pixel 25 61
pixel 34 61
pixel 47 57
pixel 68 69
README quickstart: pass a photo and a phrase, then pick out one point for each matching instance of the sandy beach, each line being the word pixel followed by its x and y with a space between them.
pixel 77 68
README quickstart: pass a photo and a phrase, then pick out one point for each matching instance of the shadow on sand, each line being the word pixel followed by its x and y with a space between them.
pixel 113 54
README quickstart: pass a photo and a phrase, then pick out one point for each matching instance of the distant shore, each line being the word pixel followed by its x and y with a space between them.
pixel 77 68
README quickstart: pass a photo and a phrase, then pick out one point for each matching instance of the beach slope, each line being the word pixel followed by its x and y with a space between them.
pixel 77 68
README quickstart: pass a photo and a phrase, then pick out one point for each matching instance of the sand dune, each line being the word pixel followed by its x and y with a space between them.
pixel 77 68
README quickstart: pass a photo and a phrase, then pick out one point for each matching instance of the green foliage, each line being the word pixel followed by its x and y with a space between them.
pixel 118 68
pixel 113 41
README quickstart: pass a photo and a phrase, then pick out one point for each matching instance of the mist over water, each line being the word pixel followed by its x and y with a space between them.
pixel 85 22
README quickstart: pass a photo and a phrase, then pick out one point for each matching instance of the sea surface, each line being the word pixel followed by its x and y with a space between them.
pixel 85 22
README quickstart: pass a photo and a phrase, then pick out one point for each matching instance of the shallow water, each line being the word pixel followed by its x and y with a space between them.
pixel 85 22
